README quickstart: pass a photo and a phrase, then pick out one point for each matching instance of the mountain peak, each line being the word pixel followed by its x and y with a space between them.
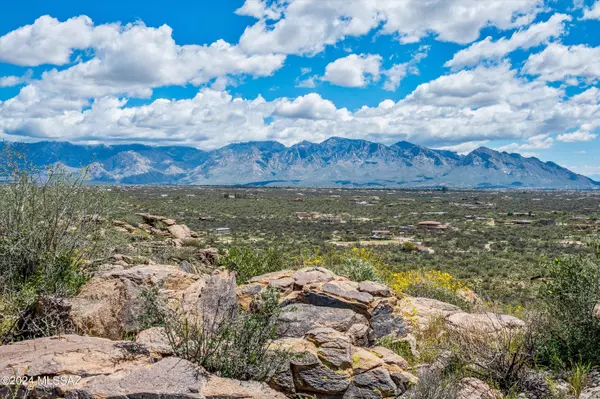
pixel 336 161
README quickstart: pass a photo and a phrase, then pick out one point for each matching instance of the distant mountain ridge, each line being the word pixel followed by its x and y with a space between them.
pixel 334 162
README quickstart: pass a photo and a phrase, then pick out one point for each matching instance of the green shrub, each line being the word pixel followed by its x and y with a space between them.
pixel 50 223
pixel 248 263
pixel 571 331
pixel 358 270
pixel 238 347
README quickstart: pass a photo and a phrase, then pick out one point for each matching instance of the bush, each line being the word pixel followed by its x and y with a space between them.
pixel 359 265
pixel 248 263
pixel 569 295
pixel 50 222
pixel 358 270
pixel 430 284
pixel 238 346
pixel 434 386
pixel 502 356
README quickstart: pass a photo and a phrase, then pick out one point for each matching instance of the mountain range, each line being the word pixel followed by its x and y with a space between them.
pixel 334 162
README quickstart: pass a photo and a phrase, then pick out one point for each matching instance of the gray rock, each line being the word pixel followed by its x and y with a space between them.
pixel 156 340
pixel 297 319
pixel 356 392
pixel 375 289
pixel 384 322
pixel 336 358
pixel 347 290
pixel 376 380
pixel 170 378
pixel 320 379
pixel 360 335
pixel 283 381
pixel 218 299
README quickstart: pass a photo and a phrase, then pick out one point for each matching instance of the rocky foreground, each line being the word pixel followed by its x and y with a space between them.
pixel 331 324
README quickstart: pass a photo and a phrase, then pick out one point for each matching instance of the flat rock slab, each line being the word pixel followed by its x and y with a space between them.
pixel 483 322
pixel 297 319
pixel 98 368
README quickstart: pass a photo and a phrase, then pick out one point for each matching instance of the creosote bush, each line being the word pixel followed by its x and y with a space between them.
pixel 248 263
pixel 570 294
pixel 50 223
pixel 233 344
pixel 434 385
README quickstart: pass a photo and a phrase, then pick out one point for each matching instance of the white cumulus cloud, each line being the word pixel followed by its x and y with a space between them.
pixel 353 70
pixel 488 49
pixel 593 12
pixel 307 26
pixel 557 62
pixel 578 136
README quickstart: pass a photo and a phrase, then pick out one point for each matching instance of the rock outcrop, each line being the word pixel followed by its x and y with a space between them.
pixel 77 367
pixel 110 304
pixel 328 324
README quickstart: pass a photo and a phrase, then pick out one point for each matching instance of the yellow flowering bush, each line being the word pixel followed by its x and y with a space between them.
pixel 404 280
pixel 430 284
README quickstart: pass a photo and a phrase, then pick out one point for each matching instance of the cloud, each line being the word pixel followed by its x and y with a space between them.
pixel 538 142
pixel 308 83
pixel 578 136
pixel 310 106
pixel 484 87
pixel 488 49
pixel 464 148
pixel 131 59
pixel 307 26
pixel 353 70
pixel 558 62
pixel 399 71
pixel 48 41
pixel 394 76
pixel 10 81
pixel 593 12
pixel 487 103
pixel 259 9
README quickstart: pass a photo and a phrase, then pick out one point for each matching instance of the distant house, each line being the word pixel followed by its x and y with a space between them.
pixel 222 231
pixel 521 222
pixel 381 234
pixel 424 250
pixel 405 229
pixel 304 215
pixel 432 225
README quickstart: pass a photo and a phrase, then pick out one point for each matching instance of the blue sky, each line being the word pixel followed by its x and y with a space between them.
pixel 514 75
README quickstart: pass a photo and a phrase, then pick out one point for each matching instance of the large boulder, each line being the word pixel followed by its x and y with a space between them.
pixel 334 295
pixel 76 367
pixel 110 304
pixel 422 311
pixel 488 323
pixel 326 362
